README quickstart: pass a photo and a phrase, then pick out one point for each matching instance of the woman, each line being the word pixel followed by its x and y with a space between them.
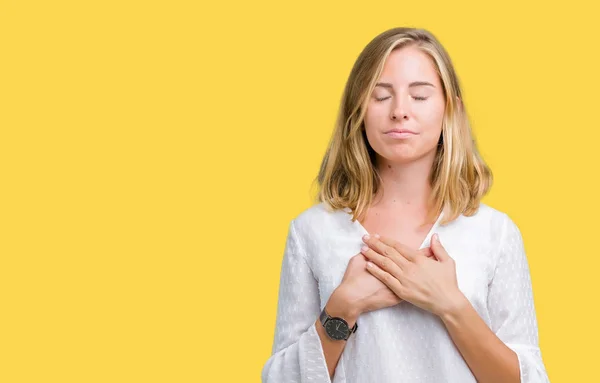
pixel 441 290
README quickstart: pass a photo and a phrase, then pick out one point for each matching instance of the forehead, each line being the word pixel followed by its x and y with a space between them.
pixel 409 64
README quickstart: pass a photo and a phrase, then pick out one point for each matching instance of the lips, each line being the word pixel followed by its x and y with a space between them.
pixel 400 131
pixel 400 134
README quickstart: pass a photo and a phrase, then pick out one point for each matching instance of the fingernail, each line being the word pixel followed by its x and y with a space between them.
pixel 364 248
pixel 366 237
pixel 376 236
pixel 435 237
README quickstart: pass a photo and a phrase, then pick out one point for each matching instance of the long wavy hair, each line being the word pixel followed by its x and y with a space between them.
pixel 348 176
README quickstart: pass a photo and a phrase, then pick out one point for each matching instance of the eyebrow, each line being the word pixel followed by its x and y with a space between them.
pixel 412 84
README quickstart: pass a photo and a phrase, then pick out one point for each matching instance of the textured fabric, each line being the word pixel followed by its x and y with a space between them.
pixel 402 343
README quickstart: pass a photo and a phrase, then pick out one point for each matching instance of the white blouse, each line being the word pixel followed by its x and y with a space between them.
pixel 402 343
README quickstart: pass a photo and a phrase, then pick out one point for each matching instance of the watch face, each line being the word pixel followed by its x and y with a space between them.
pixel 337 329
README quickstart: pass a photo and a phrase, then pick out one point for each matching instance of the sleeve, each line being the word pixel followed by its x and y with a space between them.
pixel 297 353
pixel 511 305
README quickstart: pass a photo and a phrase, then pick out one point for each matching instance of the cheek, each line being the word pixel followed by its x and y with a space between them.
pixel 431 117
pixel 374 121
pixel 374 114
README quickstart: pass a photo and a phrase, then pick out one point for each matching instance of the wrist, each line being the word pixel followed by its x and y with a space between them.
pixel 339 305
pixel 454 307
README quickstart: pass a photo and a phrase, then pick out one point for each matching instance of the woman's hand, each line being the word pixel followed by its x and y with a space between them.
pixel 363 292
pixel 429 283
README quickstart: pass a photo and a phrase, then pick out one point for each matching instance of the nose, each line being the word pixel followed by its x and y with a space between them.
pixel 400 109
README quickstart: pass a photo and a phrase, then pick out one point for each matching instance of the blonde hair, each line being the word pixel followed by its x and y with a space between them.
pixel 348 177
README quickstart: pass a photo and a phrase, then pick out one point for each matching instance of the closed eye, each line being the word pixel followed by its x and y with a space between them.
pixel 416 98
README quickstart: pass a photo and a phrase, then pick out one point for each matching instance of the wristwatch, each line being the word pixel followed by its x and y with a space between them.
pixel 336 328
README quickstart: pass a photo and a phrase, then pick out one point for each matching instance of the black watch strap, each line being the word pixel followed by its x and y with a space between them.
pixel 324 316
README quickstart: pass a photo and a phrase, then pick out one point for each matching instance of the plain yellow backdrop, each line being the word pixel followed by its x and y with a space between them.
pixel 153 153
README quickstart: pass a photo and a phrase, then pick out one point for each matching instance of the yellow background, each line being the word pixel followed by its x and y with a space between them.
pixel 153 153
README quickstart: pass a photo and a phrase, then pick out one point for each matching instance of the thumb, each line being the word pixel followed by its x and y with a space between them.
pixel 427 252
pixel 438 249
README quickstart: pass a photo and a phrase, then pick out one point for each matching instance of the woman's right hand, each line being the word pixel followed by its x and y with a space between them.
pixel 361 291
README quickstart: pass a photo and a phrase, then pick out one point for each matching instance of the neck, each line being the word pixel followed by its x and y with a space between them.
pixel 404 187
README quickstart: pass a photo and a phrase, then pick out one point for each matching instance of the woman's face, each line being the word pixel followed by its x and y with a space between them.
pixel 409 89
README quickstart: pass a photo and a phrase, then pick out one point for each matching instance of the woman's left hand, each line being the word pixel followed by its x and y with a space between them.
pixel 427 282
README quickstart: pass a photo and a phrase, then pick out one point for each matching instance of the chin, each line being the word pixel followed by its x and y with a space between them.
pixel 400 159
pixel 403 154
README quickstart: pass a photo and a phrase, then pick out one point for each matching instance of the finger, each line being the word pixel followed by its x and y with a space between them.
pixel 427 252
pixel 405 251
pixel 382 261
pixel 381 245
pixel 388 279
pixel 438 250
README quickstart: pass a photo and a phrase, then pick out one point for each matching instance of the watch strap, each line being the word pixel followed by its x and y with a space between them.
pixel 324 317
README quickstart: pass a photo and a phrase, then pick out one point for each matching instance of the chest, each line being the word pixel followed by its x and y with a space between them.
pixel 405 229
